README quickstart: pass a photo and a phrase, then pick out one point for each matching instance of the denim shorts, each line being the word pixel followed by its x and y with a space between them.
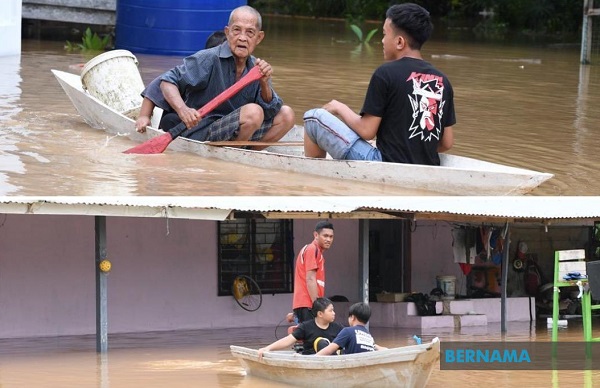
pixel 336 138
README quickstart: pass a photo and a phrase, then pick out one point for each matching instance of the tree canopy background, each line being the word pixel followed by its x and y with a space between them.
pixel 532 17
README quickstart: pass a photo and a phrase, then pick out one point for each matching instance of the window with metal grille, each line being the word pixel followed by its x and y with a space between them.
pixel 262 249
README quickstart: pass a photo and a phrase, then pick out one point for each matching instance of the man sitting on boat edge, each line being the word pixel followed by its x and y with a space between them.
pixel 409 105
pixel 316 333
pixel 255 113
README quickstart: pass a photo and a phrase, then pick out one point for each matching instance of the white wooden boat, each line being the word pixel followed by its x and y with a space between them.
pixel 457 175
pixel 408 366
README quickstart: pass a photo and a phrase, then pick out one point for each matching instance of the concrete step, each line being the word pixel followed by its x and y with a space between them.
pixel 454 313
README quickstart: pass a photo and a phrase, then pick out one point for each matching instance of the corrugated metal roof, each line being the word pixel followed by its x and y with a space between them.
pixel 501 207
pixel 220 208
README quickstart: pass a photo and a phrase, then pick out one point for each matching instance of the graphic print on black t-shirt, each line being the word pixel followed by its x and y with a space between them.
pixel 427 105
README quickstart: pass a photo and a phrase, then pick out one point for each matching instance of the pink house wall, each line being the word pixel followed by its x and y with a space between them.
pixel 46 276
pixel 432 256
pixel 164 275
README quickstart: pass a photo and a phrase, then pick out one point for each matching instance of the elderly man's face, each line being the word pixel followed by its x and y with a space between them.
pixel 243 34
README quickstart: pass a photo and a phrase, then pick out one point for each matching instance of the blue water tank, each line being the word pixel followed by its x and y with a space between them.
pixel 170 27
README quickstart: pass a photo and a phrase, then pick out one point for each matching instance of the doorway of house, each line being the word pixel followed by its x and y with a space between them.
pixel 389 257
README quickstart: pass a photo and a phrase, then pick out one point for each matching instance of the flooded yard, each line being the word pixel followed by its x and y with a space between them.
pixel 523 106
pixel 202 358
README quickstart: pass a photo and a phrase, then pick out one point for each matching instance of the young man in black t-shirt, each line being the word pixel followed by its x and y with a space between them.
pixel 409 106
pixel 315 333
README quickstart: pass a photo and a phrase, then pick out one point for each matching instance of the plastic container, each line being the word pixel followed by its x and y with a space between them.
pixel 170 27
pixel 448 285
pixel 113 78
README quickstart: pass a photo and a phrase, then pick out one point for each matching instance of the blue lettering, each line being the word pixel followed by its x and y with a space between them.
pixel 510 355
pixel 486 356
pixel 524 356
pixel 483 356
pixel 470 355
pixel 496 356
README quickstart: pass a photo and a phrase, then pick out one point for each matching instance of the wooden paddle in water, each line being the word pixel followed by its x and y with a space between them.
pixel 160 143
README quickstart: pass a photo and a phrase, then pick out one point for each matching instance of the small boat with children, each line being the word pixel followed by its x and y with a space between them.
pixel 407 366
pixel 457 175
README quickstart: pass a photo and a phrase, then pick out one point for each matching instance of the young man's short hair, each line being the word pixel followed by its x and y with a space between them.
pixel 323 225
pixel 412 19
pixel 361 311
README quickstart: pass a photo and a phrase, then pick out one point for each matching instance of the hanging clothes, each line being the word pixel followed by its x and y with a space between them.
pixel 497 246
pixel 463 245
pixel 485 235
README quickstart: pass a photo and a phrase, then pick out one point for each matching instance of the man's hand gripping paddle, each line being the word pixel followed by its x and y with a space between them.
pixel 158 144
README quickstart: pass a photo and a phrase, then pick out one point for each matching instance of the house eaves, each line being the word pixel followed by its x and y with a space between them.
pixel 545 210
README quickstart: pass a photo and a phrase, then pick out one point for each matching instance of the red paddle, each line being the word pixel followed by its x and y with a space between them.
pixel 160 143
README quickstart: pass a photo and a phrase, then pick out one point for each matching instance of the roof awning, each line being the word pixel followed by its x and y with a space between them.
pixel 544 210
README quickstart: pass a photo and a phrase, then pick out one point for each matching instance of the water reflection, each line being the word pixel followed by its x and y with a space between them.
pixel 9 86
pixel 524 106
pixel 9 107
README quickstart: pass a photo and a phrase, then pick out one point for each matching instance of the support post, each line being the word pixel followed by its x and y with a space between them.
pixel 586 32
pixel 101 287
pixel 363 259
pixel 504 278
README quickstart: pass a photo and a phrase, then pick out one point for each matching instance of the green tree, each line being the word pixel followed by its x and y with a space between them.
pixel 532 16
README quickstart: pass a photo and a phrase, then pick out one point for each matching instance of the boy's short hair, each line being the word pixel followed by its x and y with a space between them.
pixel 361 311
pixel 320 304
pixel 323 225
pixel 215 39
pixel 412 19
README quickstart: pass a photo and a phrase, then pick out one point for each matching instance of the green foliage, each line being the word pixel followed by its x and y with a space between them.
pixel 490 29
pixel 359 34
pixel 90 42
pixel 357 31
pixel 370 35
pixel 531 16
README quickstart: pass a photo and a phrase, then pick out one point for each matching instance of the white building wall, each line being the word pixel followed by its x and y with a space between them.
pixel 10 28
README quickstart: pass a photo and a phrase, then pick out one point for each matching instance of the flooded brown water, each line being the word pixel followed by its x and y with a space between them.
pixel 522 106
pixel 202 358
